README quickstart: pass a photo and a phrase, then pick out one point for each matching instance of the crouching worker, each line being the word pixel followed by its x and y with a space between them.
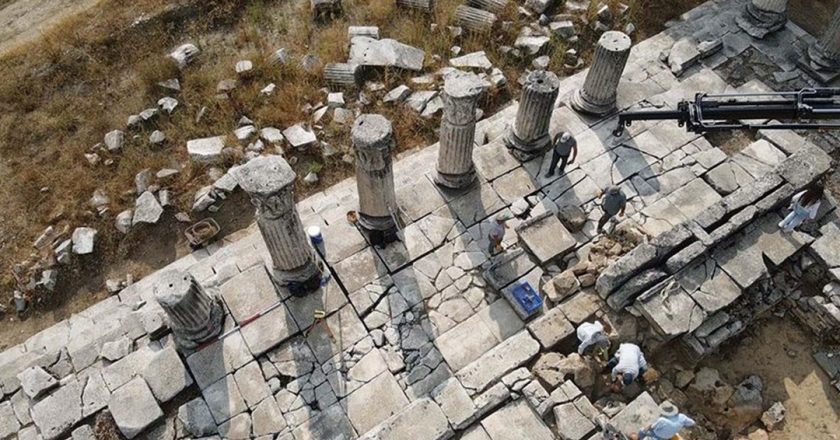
pixel 628 364
pixel 592 339
pixel 667 426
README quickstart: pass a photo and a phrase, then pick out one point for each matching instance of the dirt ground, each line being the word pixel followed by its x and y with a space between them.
pixel 24 20
pixel 780 352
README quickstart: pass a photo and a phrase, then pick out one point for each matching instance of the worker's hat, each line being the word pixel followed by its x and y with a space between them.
pixel 668 409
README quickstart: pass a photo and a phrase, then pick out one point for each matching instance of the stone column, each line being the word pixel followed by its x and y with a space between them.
pixel 457 130
pixel 598 94
pixel 373 140
pixel 194 316
pixel 825 52
pixel 763 17
pixel 529 136
pixel 494 6
pixel 270 183
pixel 423 5
pixel 474 19
pixel 342 75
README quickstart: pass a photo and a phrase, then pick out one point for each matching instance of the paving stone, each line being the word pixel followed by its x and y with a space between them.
pixel 116 350
pixel 571 423
pixel 642 411
pixel 455 403
pixel 495 363
pixel 134 407
pixel 330 424
pixel 166 375
pixel 218 359
pixel 28 433
pixel 374 402
pixel 60 411
pixel 514 185
pixel 694 198
pixel 551 328
pixel 501 319
pixel 581 306
pixel 477 432
pixel 546 237
pixel 251 384
pixel 493 160
pixel 238 427
pixel 196 419
pixel 120 372
pixel 8 421
pixel 708 285
pixel 224 399
pixel 84 432
pixel 346 329
pixel 411 245
pixel 420 420
pixel 35 382
pixel 359 269
pixel 476 204
pixel 96 394
pixel 466 342
pixel 727 177
pixel 341 240
pixel 516 421
pixel 419 198
pixel 671 311
pixel 328 298
pixel 249 293
pixel 269 330
pixel 293 358
pixel 21 406
pixel 267 419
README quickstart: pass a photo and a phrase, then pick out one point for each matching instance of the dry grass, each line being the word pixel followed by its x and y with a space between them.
pixel 61 94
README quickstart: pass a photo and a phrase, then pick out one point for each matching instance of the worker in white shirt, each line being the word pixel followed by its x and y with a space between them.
pixel 592 338
pixel 627 364
pixel 803 206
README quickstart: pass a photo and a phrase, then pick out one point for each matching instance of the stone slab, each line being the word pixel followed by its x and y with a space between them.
pixel 60 411
pixel 224 399
pixel 571 423
pixel 516 421
pixel 374 402
pixel 671 311
pixel 134 408
pixel 505 357
pixel 218 359
pixel 249 293
pixel 420 420
pixel 546 237
pixel 642 411
pixel 166 375
pixel 269 330
pixel 466 342
pixel 551 328
pixel 330 424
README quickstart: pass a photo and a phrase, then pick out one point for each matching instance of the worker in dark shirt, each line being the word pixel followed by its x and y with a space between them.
pixel 613 202
pixel 564 146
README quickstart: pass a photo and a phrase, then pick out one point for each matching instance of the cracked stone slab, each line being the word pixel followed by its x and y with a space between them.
pixel 134 408
pixel 374 402
pixel 224 399
pixel 495 363
pixel 551 328
pixel 493 160
pixel 219 359
pixel 196 419
pixel 671 311
pixel 419 198
pixel 516 421
pixel 708 285
pixel 249 293
pixel 642 411
pixel 359 269
pixel 571 423
pixel 474 205
pixel 466 342
pixel 35 382
pixel 412 244
pixel 345 329
pixel 455 403
pixel 694 198
pixel 420 420
pixel 546 237
pixel 166 375
pixel 331 423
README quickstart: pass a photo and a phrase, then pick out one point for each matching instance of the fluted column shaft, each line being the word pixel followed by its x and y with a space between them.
pixel 777 6
pixel 474 19
pixel 423 5
pixel 826 51
pixel 457 130
pixel 599 91
pixel 194 316
pixel 494 6
pixel 269 182
pixel 529 135
pixel 373 140
pixel 763 17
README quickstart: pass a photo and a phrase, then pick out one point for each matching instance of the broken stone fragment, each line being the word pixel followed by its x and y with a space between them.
pixel 167 104
pixel 171 84
pixel 157 137
pixel 363 31
pixel 709 47
pixel 244 68
pixel 300 136
pixel 335 100
pixel 206 150
pixel 147 209
pixel 142 180
pixel 541 63
pixel 476 60
pixel 683 55
pixel 365 51
pixel 35 382
pixel 115 140
pixel 279 56
pixel 531 44
pixel 774 416
pixel 184 55
pixel 84 239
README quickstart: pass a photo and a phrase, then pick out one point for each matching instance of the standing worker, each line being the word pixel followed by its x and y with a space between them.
pixel 613 202
pixel 803 206
pixel 497 234
pixel 564 146
pixel 628 363
pixel 667 426
pixel 591 336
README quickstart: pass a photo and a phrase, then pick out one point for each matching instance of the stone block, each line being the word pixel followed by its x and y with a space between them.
pixel 501 319
pixel 224 399
pixel 708 285
pixel 671 311
pixel 642 411
pixel 571 423
pixel 495 363
pixel 516 421
pixel 551 328
pixel 546 237
pixel 635 286
pixel 359 269
pixel 196 419
pixel 218 359
pixel 166 375
pixel 251 384
pixel 269 330
pixel 421 420
pixel 581 306
pixel 238 427
pixel 804 166
pixel 60 411
pixel 134 407
pixel 455 403
pixel 374 402
pixel 466 342
pixel 249 293
pixel 35 382
pixel 266 419
pixel 9 424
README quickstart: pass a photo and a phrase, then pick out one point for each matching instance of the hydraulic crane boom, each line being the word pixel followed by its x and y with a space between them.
pixel 803 109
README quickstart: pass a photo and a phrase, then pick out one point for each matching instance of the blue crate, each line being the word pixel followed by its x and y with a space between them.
pixel 528 298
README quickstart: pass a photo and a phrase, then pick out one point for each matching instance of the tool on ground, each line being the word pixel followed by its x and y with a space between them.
pixel 320 319
pixel 803 109
pixel 200 233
